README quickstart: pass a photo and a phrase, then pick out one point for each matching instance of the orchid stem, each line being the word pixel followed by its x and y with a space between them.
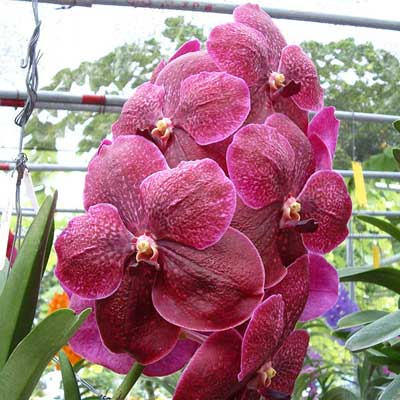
pixel 128 382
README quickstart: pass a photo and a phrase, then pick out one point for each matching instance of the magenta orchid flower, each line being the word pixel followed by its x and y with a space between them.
pixel 189 108
pixel 88 344
pixel 10 253
pixel 281 78
pixel 155 250
pixel 287 207
pixel 266 361
pixel 323 132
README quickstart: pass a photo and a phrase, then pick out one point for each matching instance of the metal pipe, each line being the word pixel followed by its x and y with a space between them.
pixel 227 8
pixel 113 104
pixel 368 236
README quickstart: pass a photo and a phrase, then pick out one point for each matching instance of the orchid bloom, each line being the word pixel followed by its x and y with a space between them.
pixel 155 250
pixel 266 361
pixel 281 78
pixel 285 206
pixel 87 342
pixel 190 107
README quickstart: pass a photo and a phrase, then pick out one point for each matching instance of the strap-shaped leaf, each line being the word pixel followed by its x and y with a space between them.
pixel 70 385
pixel 396 125
pixel 25 365
pixel 339 393
pixel 19 297
pixel 386 276
pixel 383 225
pixel 379 331
pixel 391 390
pixel 396 155
pixel 360 318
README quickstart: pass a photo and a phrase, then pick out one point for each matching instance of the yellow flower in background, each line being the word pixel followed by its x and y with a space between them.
pixel 61 300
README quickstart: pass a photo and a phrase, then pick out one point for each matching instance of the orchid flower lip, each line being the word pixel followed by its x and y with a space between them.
pixel 276 81
pixel 290 212
pixel 163 130
pixel 146 250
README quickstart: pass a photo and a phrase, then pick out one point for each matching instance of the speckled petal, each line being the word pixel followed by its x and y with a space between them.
pixel 192 204
pixel 324 288
pixel 261 227
pixel 188 47
pixel 322 155
pixel 260 102
pixel 197 287
pixel 297 66
pixel 288 362
pixel 141 111
pixel 241 51
pixel 87 341
pixel 10 253
pixel 174 361
pixel 160 66
pixel 128 321
pixel 213 105
pixel 325 126
pixel 175 72
pixel 252 15
pixel 326 200
pixel 91 252
pixel 290 245
pixel 294 289
pixel 303 161
pixel 262 336
pixel 212 372
pixel 182 147
pixel 288 107
pixel 260 164
pixel 116 172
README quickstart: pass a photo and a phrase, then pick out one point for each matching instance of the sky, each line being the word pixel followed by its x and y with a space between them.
pixel 70 36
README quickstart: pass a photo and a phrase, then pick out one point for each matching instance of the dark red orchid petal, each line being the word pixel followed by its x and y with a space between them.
pixel 325 199
pixel 289 90
pixel 294 289
pixel 297 66
pixel 192 204
pixel 323 133
pixel 269 394
pixel 260 164
pixel 261 227
pixel 288 107
pixel 174 361
pixel 188 47
pixel 259 105
pixel 87 341
pixel 303 161
pixel 176 71
pixel 326 126
pixel 128 321
pixel 253 16
pixel 262 336
pixel 91 252
pixel 115 174
pixel 322 155
pixel 213 105
pixel 182 147
pixel 290 245
pixel 241 51
pixel 324 287
pixel 195 287
pixel 212 372
pixel 141 111
pixel 288 362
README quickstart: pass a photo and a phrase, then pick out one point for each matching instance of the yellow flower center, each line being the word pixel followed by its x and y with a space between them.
pixel 163 130
pixel 146 249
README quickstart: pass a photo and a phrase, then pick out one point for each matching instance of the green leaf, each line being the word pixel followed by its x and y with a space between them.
pixel 19 297
pixel 338 393
pixel 71 389
pixel 396 156
pixel 381 330
pixel 385 226
pixel 392 391
pixel 396 125
pixel 23 369
pixel 385 276
pixel 360 318
pixel 3 275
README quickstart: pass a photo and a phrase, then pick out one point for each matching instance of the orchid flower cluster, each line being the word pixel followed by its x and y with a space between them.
pixel 207 216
